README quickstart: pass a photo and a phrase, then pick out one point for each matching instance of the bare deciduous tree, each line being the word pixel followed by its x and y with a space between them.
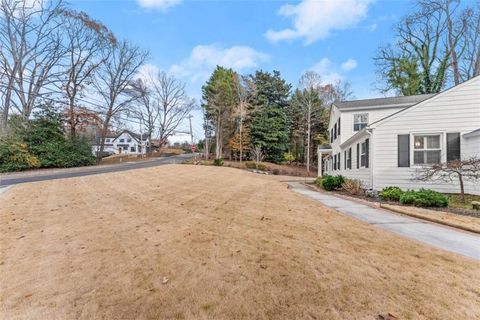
pixel 30 49
pixel 309 84
pixel 146 109
pixel 244 88
pixel 257 154
pixel 113 82
pixel 457 170
pixel 174 104
pixel 86 41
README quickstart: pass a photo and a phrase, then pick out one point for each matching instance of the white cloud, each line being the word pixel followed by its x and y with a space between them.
pixel 348 65
pixel 204 58
pixel 161 5
pixel 314 20
pixel 330 72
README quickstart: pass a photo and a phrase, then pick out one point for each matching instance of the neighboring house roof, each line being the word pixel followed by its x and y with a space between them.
pixel 134 135
pixel 380 103
pixel 472 134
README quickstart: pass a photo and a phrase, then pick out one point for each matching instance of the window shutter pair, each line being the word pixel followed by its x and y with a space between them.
pixel 453 148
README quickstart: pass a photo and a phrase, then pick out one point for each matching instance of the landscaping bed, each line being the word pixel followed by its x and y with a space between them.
pixel 448 203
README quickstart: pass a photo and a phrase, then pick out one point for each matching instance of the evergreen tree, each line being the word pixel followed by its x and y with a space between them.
pixel 269 123
pixel 219 99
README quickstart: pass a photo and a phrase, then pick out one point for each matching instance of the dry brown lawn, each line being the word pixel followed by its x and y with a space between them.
pixel 200 242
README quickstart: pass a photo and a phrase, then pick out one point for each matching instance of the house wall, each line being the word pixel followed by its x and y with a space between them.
pixel 472 147
pixel 346 121
pixel 455 110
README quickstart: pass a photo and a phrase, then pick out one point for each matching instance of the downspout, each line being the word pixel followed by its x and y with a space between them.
pixel 370 155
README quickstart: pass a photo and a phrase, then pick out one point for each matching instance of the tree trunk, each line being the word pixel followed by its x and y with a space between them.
pixel 462 189
pixel 241 140
pixel 218 138
pixel 102 140
pixel 308 138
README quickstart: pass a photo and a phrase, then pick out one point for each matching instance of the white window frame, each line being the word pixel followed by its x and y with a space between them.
pixel 360 115
pixel 442 137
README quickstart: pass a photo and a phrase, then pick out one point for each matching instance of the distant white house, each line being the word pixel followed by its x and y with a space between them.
pixel 382 142
pixel 126 142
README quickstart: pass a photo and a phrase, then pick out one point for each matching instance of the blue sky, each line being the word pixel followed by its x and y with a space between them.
pixel 336 38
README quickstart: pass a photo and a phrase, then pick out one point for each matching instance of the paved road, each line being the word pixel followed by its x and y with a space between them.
pixel 464 243
pixel 8 180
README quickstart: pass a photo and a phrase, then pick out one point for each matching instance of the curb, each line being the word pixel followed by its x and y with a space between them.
pixel 449 224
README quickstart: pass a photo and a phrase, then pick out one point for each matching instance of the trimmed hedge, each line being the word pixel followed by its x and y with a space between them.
pixel 330 183
pixel 391 193
pixel 424 198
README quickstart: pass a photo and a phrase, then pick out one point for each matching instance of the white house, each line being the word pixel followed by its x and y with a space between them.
pixel 384 142
pixel 126 142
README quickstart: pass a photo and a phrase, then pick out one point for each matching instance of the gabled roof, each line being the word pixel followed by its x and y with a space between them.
pixel 134 135
pixel 380 103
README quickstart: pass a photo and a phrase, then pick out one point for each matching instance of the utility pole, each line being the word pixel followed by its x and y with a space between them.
pixel 191 135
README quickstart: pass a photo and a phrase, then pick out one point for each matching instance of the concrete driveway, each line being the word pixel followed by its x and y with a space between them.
pixel 41 175
pixel 464 243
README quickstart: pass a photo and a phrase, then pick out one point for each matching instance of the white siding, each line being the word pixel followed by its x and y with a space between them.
pixel 472 147
pixel 373 115
pixel 456 110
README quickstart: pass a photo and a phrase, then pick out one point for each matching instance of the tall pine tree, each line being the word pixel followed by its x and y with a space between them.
pixel 269 124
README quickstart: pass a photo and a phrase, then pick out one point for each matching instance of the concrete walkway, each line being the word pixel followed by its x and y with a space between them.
pixel 464 243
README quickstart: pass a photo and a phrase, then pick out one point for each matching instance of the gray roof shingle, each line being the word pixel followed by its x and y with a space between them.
pixel 402 101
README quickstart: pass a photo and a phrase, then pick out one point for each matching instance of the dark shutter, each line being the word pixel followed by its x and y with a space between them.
pixel 358 155
pixel 367 152
pixel 331 135
pixel 339 161
pixel 335 162
pixel 350 158
pixel 453 146
pixel 345 159
pixel 338 126
pixel 403 144
pixel 335 131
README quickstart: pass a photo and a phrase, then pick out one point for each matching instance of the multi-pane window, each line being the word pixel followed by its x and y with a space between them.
pixel 360 121
pixel 122 140
pixel 363 154
pixel 427 149
pixel 107 140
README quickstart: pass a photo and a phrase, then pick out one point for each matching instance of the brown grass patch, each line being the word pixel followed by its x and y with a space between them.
pixel 202 242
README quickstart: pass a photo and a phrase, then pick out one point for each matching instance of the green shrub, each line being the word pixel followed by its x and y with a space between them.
pixel 353 186
pixel 330 183
pixel 253 165
pixel 289 157
pixel 218 162
pixel 14 156
pixel 391 193
pixel 318 181
pixel 424 198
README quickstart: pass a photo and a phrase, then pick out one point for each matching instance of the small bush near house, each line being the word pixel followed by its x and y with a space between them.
pixel 330 183
pixel 424 198
pixel 218 162
pixel 253 165
pixel 353 186
pixel 318 181
pixel 391 193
